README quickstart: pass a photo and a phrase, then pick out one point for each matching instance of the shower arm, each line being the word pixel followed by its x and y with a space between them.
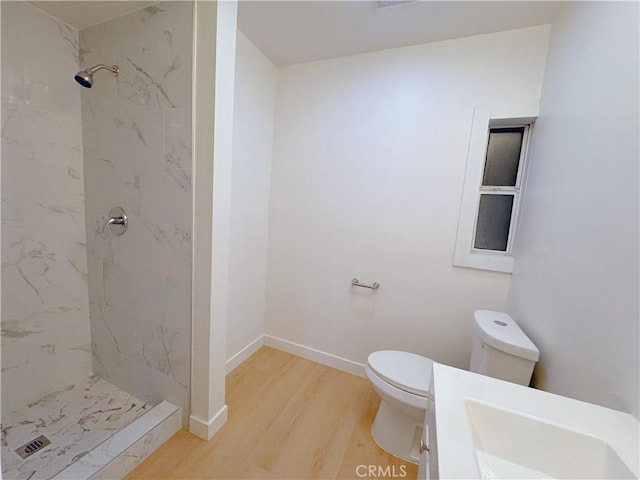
pixel 101 66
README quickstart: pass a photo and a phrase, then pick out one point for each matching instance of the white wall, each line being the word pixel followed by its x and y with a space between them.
pixel 575 284
pixel 255 90
pixel 368 166
pixel 214 78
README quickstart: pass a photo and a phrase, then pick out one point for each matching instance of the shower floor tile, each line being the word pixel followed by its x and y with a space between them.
pixel 75 420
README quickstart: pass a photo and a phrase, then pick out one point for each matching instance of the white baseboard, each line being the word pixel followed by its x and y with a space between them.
pixel 206 430
pixel 243 354
pixel 318 356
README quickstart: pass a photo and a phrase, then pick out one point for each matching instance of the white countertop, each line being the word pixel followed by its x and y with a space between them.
pixel 458 392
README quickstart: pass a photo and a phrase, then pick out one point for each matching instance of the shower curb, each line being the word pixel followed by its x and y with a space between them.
pixel 120 454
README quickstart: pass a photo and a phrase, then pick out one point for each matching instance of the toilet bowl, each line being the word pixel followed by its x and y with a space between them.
pixel 499 349
pixel 401 379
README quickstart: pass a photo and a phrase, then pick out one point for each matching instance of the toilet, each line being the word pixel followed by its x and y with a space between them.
pixel 499 349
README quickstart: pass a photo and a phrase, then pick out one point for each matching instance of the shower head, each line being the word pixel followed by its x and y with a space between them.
pixel 85 77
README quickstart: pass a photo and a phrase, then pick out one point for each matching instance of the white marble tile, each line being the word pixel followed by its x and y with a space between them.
pixel 138 378
pixel 137 145
pixel 120 454
pixel 45 331
pixel 128 145
pixel 76 420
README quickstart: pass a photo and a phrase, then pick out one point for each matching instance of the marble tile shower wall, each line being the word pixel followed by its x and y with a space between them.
pixel 45 327
pixel 137 155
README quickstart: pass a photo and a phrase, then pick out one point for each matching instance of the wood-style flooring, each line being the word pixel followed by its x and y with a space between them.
pixel 289 418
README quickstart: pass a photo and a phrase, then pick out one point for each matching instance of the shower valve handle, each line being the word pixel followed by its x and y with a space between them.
pixel 118 221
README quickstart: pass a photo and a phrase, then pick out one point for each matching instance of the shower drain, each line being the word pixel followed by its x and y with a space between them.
pixel 33 446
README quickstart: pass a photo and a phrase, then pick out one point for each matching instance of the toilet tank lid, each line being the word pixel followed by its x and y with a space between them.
pixel 501 332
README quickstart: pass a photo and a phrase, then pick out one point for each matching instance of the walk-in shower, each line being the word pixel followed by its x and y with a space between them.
pixel 85 77
pixel 95 326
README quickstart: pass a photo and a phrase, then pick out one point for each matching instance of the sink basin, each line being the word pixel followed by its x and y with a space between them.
pixel 510 444
pixel 482 427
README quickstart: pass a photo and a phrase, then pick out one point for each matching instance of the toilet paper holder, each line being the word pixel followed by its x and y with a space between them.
pixel 356 283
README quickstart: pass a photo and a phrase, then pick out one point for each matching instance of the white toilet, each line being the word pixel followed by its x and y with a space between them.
pixel 499 349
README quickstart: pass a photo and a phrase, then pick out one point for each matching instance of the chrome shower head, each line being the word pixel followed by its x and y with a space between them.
pixel 85 77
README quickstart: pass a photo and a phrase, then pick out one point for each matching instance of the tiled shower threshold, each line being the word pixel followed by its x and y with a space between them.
pixel 96 431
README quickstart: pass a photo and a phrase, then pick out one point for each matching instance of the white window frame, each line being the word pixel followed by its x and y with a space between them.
pixel 486 117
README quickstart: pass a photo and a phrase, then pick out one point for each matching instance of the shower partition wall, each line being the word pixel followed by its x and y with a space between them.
pixel 95 327
pixel 137 155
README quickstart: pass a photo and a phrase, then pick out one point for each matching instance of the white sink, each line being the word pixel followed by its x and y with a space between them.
pixel 514 445
pixel 489 428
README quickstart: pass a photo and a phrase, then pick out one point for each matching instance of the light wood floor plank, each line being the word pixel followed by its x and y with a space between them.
pixel 289 418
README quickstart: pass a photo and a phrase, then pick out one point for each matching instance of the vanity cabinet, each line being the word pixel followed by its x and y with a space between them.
pixel 428 465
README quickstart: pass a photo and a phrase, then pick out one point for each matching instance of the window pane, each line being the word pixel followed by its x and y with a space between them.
pixel 503 157
pixel 494 217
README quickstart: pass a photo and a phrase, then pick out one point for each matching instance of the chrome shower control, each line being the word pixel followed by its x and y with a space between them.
pixel 118 221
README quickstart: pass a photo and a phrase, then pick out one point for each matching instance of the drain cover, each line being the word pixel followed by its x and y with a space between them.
pixel 33 446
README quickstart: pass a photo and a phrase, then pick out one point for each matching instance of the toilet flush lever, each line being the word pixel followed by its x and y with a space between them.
pixel 423 446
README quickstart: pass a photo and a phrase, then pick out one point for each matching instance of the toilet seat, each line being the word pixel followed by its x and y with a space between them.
pixel 407 371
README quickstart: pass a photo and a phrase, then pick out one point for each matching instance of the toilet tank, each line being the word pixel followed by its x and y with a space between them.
pixel 500 349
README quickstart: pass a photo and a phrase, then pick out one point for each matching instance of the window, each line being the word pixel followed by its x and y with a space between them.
pixel 493 184
pixel 500 188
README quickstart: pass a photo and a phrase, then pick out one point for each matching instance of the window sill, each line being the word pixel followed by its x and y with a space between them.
pixel 496 262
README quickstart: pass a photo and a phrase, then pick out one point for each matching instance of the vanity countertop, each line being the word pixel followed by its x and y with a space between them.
pixel 489 428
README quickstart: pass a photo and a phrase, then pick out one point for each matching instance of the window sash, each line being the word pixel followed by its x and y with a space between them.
pixel 512 222
pixel 502 190
pixel 496 130
pixel 521 161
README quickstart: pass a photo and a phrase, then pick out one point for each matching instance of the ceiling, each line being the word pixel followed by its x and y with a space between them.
pixel 82 14
pixel 289 32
